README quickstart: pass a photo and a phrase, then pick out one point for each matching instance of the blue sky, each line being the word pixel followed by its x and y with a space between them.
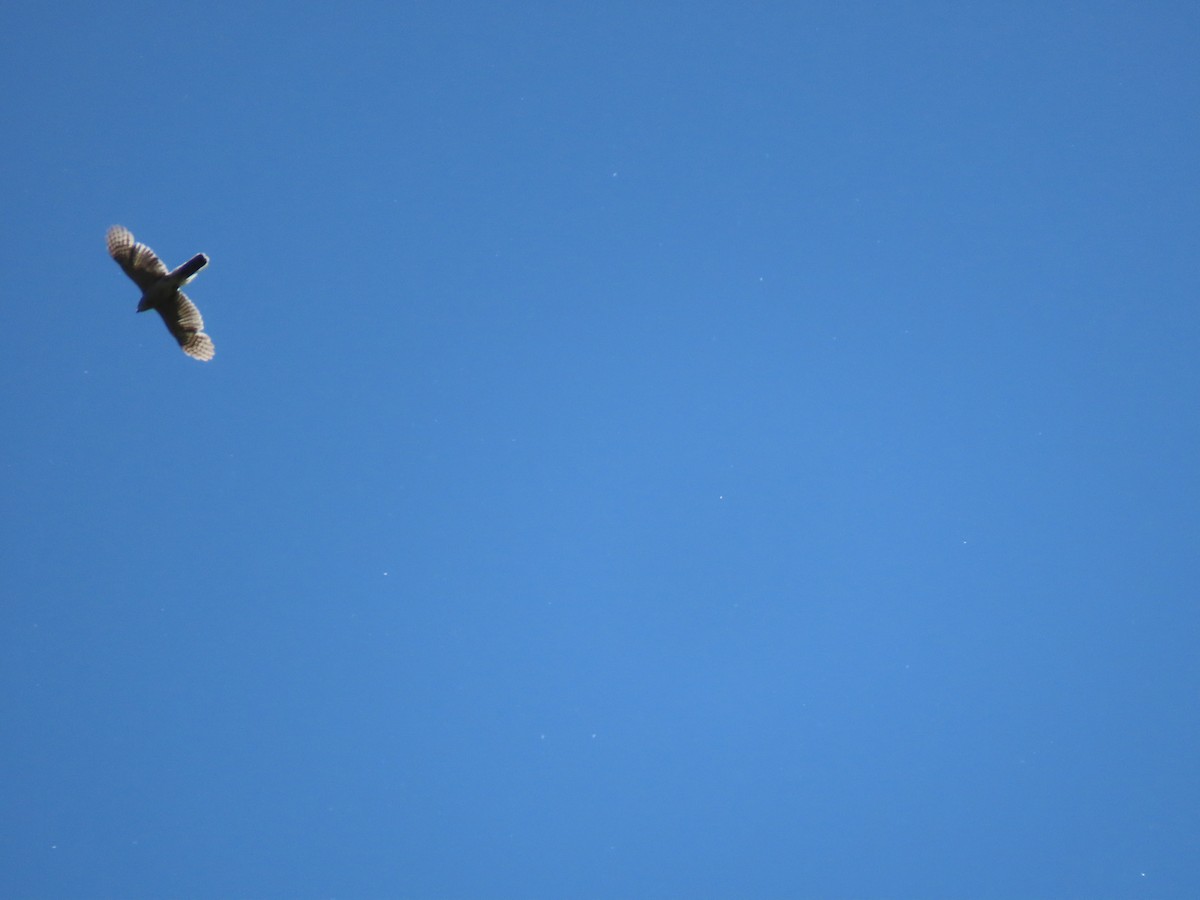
pixel 733 450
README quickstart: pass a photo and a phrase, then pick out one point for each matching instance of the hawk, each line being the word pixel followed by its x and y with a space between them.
pixel 161 290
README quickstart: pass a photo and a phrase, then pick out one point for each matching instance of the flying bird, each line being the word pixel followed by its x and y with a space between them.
pixel 161 290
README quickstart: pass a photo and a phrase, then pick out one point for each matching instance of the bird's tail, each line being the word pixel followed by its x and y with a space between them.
pixel 188 270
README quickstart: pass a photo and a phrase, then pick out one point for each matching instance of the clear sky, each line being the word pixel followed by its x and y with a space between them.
pixel 737 449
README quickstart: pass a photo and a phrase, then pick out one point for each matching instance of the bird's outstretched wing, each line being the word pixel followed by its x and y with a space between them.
pixel 139 261
pixel 186 326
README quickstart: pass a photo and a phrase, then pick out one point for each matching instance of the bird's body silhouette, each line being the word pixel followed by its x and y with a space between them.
pixel 161 290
